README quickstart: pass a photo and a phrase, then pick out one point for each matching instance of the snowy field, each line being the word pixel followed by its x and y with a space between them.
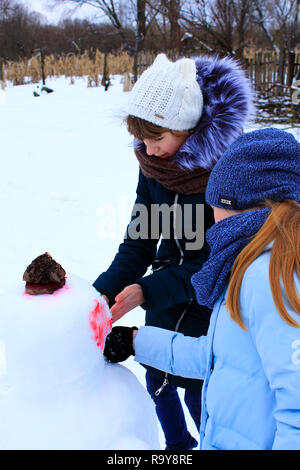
pixel 67 182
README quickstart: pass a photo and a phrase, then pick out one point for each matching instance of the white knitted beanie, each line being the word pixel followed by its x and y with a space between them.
pixel 167 94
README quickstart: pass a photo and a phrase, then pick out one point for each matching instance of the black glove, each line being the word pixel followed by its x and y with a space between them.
pixel 118 344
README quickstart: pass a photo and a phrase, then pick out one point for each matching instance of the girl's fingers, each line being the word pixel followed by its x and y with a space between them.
pixel 117 315
pixel 118 309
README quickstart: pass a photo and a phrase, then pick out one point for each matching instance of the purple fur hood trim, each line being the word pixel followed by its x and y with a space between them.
pixel 228 107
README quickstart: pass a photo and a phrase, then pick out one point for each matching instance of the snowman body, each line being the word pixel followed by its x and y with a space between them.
pixel 57 391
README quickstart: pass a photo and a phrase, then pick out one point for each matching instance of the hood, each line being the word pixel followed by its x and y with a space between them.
pixel 228 107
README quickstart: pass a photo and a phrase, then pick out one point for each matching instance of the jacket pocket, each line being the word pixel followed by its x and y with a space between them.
pixel 160 264
pixel 227 439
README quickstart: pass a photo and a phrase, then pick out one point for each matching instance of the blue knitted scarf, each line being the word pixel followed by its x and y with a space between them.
pixel 226 239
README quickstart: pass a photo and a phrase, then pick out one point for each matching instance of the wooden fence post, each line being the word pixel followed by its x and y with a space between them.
pixel 258 62
pixel 291 67
pixel 43 67
pixel 281 68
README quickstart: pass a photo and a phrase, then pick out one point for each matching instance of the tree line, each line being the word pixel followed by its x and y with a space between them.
pixel 179 26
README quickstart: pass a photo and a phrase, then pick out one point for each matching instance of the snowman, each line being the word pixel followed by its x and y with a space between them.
pixel 57 391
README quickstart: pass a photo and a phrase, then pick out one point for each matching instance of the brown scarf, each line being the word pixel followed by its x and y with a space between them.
pixel 169 175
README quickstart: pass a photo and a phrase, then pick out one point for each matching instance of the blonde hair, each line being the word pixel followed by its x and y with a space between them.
pixel 283 228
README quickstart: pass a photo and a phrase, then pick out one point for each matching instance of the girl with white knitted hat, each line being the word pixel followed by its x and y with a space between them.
pixel 183 116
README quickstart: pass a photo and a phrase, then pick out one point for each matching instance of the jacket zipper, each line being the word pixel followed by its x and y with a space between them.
pixel 174 228
pixel 166 380
pixel 166 377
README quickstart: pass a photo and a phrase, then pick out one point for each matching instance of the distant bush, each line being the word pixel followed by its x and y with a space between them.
pixel 88 64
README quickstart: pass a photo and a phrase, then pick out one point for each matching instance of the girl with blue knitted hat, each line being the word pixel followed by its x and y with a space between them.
pixel 250 357
pixel 183 116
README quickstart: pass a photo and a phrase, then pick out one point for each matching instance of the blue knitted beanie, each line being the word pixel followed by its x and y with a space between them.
pixel 259 165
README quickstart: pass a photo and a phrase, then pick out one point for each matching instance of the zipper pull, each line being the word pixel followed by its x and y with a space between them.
pixel 165 383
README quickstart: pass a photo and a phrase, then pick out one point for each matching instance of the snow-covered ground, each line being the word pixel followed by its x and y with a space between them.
pixel 67 182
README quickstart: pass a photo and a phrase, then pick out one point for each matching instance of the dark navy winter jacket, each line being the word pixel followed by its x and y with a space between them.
pixel 168 290
pixel 228 103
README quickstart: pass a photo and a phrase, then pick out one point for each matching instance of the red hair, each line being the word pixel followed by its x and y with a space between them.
pixel 282 227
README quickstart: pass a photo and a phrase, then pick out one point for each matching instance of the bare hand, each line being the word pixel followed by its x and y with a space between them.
pixel 106 299
pixel 130 297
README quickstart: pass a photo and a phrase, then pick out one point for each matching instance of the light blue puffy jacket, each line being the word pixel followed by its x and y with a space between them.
pixel 251 391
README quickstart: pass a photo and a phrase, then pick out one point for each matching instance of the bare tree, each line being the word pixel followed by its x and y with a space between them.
pixel 173 13
pixel 6 7
pixel 286 15
pixel 279 20
pixel 141 30
pixel 265 19
pixel 111 9
pixel 121 14
pixel 228 23
pixel 224 22
pixel 15 30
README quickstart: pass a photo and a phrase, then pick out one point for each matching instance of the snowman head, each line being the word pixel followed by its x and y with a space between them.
pixel 53 340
